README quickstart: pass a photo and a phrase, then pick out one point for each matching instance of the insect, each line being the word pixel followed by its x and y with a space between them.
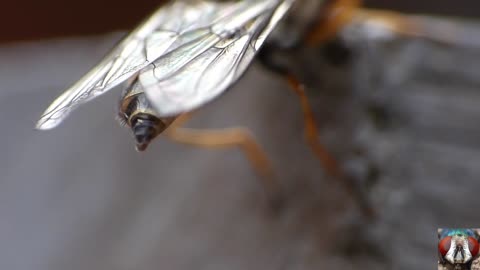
pixel 458 247
pixel 185 55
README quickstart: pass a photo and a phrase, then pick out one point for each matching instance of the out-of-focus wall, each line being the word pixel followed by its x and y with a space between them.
pixel 470 8
pixel 33 19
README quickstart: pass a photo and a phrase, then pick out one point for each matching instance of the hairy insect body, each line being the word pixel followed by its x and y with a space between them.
pixel 136 112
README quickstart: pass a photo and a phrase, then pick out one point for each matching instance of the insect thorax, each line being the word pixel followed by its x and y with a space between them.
pixel 295 26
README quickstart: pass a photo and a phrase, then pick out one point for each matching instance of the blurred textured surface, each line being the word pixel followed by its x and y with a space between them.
pixel 80 197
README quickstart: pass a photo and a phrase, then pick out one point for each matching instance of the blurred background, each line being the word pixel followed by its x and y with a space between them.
pixel 29 19
pixel 399 111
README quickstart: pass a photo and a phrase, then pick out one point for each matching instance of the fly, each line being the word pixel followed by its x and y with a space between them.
pixel 191 51
pixel 458 247
pixel 184 55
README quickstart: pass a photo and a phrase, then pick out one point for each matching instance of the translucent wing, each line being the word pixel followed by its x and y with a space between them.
pixel 198 71
pixel 177 33
pixel 142 46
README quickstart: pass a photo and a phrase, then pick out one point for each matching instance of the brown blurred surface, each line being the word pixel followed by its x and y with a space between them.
pixel 31 19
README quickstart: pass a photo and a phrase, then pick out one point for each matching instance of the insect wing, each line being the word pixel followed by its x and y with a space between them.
pixel 136 51
pixel 214 58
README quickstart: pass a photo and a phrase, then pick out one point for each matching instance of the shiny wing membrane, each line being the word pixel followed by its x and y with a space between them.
pixel 198 71
pixel 185 54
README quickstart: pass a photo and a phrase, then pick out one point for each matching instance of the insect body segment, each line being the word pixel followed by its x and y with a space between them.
pixel 136 112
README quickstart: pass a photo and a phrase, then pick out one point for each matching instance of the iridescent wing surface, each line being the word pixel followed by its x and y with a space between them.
pixel 185 54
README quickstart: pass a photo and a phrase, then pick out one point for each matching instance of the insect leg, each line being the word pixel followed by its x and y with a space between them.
pixel 427 27
pixel 228 137
pixel 312 136
pixel 331 19
pixel 339 13
pixel 329 163
pixel 395 22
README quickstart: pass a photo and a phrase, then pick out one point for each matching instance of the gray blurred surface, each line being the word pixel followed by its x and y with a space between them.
pixel 80 197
